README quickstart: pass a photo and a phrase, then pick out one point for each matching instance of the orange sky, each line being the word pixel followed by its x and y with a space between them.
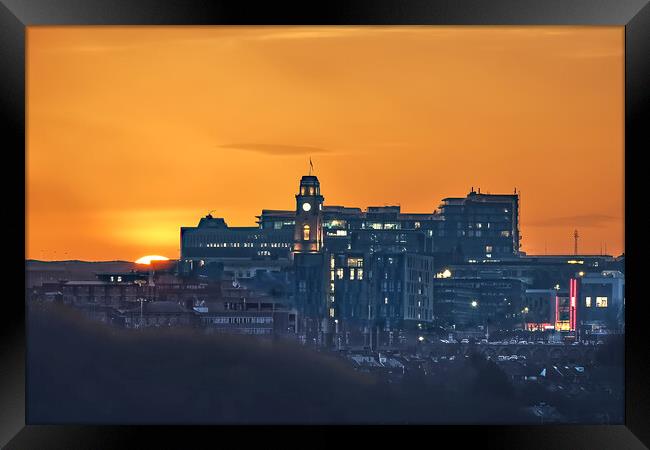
pixel 136 131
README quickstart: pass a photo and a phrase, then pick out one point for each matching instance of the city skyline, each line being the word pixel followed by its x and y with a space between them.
pixel 137 131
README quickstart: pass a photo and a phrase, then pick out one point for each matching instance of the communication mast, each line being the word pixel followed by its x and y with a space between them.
pixel 575 242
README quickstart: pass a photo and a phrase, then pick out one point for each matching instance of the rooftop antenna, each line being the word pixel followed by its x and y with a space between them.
pixel 575 242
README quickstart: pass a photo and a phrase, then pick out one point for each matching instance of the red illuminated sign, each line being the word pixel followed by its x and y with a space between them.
pixel 573 293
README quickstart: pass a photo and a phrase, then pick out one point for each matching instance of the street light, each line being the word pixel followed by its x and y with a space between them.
pixel 474 303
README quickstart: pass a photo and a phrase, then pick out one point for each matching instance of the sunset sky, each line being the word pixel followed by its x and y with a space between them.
pixel 134 132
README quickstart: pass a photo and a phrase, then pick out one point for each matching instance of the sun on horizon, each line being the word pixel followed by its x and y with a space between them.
pixel 147 259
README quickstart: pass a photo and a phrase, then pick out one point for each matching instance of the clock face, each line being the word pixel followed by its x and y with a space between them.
pixel 306 206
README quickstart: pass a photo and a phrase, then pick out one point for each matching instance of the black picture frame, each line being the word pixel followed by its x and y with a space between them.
pixel 16 15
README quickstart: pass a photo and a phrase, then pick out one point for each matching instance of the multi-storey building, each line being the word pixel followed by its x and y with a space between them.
pixel 469 302
pixel 479 226
pixel 601 303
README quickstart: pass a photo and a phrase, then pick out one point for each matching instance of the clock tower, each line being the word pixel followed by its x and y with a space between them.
pixel 308 232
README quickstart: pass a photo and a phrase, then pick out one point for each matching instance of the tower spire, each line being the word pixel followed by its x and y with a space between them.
pixel 575 242
pixel 311 166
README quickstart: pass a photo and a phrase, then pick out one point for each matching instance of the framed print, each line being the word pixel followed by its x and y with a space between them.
pixel 373 216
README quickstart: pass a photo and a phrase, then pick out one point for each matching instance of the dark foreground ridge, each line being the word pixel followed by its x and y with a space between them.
pixel 79 372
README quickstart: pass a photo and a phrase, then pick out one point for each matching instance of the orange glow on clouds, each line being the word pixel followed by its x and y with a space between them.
pixel 133 132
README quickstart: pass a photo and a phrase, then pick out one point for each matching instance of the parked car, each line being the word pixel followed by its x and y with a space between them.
pixel 464 341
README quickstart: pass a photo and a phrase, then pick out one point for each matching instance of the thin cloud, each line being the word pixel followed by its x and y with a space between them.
pixel 277 149
pixel 586 220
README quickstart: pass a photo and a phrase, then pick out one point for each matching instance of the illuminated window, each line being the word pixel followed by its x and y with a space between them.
pixel 588 302
pixel 305 233
pixel 355 262
pixel 601 302
pixel 488 249
pixel 331 312
pixel 352 274
pixel 339 273
pixel 359 274
pixel 120 279
pixel 385 300
pixel 311 191
pixel 332 275
pixel 417 225
pixel 505 233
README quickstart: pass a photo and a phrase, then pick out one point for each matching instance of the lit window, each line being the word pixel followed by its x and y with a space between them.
pixel 339 273
pixel 120 279
pixel 332 275
pixel 601 302
pixel 359 274
pixel 385 300
pixel 331 312
pixel 355 262
pixel 305 233
pixel 488 249
pixel 352 274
